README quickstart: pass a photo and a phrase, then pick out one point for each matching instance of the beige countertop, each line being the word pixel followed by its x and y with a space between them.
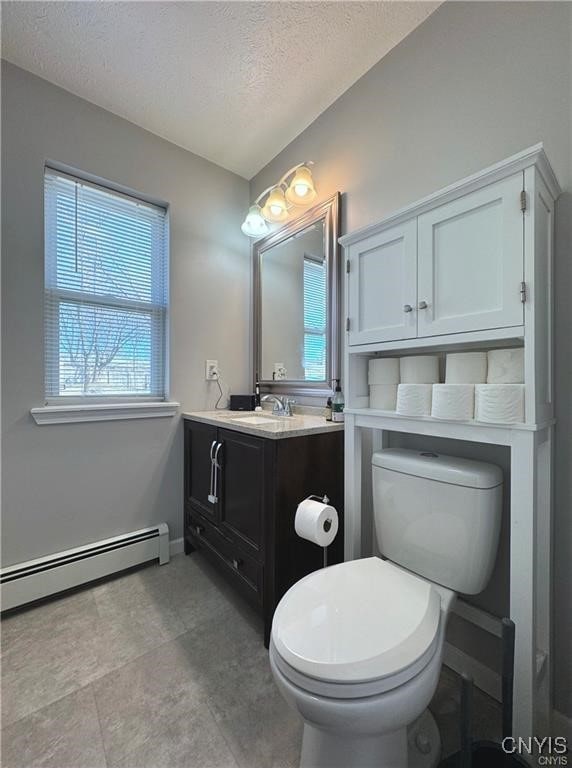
pixel 266 424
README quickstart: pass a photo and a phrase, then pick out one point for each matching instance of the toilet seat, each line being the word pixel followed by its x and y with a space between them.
pixel 356 629
pixel 351 690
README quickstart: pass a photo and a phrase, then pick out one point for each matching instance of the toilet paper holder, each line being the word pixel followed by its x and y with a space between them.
pixel 325 500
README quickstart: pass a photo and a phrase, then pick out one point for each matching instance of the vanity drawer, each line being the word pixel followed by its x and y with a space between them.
pixel 242 569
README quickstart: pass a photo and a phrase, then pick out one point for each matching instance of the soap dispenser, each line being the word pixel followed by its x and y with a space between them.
pixel 338 403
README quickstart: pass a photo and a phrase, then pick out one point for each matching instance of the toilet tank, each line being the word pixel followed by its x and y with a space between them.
pixel 438 516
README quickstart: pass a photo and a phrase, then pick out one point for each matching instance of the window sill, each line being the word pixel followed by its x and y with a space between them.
pixel 68 414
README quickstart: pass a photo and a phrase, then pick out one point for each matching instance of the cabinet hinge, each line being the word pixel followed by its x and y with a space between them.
pixel 523 200
pixel 348 266
pixel 347 323
pixel 523 291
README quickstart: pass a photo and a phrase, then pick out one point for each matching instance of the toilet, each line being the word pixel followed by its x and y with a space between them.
pixel 356 648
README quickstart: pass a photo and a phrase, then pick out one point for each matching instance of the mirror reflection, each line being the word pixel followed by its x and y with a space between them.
pixel 294 311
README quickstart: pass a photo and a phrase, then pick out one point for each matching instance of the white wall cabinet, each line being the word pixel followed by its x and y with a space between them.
pixel 467 251
pixel 455 268
pixel 470 262
pixel 383 285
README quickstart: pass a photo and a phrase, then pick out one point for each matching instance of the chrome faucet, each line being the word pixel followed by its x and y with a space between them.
pixel 282 404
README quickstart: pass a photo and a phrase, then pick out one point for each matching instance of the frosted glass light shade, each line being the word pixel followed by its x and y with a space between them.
pixel 301 190
pixel 254 224
pixel 275 208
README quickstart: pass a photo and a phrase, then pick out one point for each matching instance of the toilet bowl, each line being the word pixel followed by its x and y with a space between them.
pixel 360 670
pixel 356 648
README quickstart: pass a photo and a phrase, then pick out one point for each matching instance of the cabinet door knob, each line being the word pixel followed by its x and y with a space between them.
pixel 422 305
pixel 199 529
pixel 236 564
pixel 407 308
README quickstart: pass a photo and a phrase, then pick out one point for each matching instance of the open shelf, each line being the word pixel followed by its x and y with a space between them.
pixel 357 389
pixel 429 424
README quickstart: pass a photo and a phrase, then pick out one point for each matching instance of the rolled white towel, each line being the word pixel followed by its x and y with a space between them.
pixel 453 401
pixel 499 403
pixel 506 366
pixel 414 399
pixel 466 368
pixel 383 396
pixel 383 370
pixel 419 369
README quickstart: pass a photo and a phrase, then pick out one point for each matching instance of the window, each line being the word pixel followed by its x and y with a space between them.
pixel 314 319
pixel 105 292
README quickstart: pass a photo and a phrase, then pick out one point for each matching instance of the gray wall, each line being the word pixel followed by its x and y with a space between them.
pixel 72 484
pixel 472 85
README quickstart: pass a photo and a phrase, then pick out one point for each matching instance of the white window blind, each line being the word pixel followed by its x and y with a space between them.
pixel 314 320
pixel 105 292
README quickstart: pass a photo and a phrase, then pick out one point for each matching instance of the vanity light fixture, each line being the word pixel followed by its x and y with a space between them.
pixel 255 224
pixel 276 208
pixel 301 190
pixel 295 188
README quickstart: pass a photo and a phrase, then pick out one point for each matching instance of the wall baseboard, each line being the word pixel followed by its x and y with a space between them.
pixel 33 580
pixel 484 677
pixel 176 546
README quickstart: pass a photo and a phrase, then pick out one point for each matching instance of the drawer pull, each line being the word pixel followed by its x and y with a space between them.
pixel 236 563
pixel 199 530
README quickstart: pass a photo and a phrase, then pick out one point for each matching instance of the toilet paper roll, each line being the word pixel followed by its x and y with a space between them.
pixel 383 396
pixel 453 401
pixel 384 370
pixel 316 522
pixel 499 403
pixel 414 399
pixel 419 369
pixel 466 368
pixel 506 366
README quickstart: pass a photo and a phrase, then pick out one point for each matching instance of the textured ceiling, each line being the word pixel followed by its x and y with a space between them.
pixel 234 82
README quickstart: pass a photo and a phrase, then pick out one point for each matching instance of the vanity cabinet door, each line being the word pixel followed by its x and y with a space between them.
pixel 382 284
pixel 199 439
pixel 241 490
pixel 471 262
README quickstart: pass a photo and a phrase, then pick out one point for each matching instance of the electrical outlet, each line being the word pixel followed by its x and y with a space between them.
pixel 211 370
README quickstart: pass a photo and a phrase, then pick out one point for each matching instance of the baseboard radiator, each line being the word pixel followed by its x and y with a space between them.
pixel 25 582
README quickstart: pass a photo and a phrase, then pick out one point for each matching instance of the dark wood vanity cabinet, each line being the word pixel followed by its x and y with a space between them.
pixel 198 442
pixel 243 519
pixel 241 489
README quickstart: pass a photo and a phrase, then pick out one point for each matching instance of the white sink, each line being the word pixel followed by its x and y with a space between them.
pixel 255 420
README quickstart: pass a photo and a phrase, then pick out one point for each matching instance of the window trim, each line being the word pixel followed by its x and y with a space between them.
pixel 109 411
pixel 97 181
pixel 61 294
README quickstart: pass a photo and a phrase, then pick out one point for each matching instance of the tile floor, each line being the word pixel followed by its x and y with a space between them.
pixel 161 667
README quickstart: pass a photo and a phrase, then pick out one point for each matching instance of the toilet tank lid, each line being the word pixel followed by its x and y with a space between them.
pixel 439 467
